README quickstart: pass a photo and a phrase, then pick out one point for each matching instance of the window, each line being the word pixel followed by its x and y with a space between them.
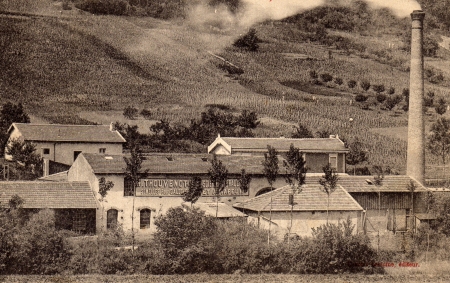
pixel 128 188
pixel 111 218
pixel 333 161
pixel 145 218
pixel 75 154
pixel 102 150
pixel 46 151
pixel 79 221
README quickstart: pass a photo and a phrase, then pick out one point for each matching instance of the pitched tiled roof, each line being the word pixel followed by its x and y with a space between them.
pixel 57 177
pixel 49 194
pixel 283 144
pixel 176 163
pixel 224 211
pixel 311 198
pixel 68 133
pixel 390 183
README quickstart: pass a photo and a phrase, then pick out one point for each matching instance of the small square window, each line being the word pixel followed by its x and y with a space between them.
pixel 46 151
pixel 102 150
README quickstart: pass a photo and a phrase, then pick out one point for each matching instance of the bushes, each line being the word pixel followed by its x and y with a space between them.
pixel 338 81
pixel 249 41
pixel 130 112
pixel 31 246
pixel 381 97
pixel 106 7
pixel 325 77
pixel 360 98
pixel 351 83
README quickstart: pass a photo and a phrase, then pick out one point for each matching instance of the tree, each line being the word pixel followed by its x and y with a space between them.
pixel 338 81
pixel 392 101
pixel 326 77
pixel 439 139
pixel 218 175
pixel 351 83
pixel 329 183
pixel 244 181
pixel 183 234
pixel 248 41
pixel 195 190
pixel 381 97
pixel 356 154
pixel 302 132
pixel 295 167
pixel 365 85
pixel 428 100
pixel 270 164
pixel 405 94
pixel 130 112
pixel 28 162
pixel 378 88
pixel 10 113
pixel 441 107
pixel 104 187
pixel 391 90
pixel 134 174
pixel 412 188
pixel 248 120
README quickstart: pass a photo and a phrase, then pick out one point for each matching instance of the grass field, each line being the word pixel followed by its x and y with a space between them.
pixel 89 67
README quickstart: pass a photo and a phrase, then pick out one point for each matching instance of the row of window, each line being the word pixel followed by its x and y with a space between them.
pixel 46 151
pixel 112 218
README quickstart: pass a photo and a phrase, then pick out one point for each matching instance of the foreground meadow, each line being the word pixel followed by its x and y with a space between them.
pixel 229 278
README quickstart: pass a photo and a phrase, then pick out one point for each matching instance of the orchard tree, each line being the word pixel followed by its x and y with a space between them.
pixel 439 139
pixel 441 106
pixel 130 112
pixel 365 85
pixel 356 154
pixel 218 175
pixel 302 132
pixel 329 183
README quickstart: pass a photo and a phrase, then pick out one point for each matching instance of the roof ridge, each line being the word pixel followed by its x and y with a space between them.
pixel 65 125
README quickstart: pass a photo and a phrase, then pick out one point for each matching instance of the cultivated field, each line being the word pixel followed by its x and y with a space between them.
pixel 76 67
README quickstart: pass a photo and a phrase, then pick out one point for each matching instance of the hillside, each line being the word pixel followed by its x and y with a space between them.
pixel 72 66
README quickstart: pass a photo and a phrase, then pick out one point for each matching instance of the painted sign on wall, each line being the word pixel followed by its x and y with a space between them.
pixel 176 187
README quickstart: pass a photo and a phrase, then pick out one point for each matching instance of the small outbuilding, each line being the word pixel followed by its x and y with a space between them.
pixel 297 212
pixel 73 203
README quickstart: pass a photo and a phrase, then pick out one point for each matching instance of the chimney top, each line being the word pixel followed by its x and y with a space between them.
pixel 418 15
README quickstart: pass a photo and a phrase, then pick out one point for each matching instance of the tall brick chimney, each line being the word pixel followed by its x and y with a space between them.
pixel 415 166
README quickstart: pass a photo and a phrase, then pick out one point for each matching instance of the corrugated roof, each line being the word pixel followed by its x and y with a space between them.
pixel 311 198
pixel 49 194
pixel 224 211
pixel 283 144
pixel 361 184
pixel 68 133
pixel 176 163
